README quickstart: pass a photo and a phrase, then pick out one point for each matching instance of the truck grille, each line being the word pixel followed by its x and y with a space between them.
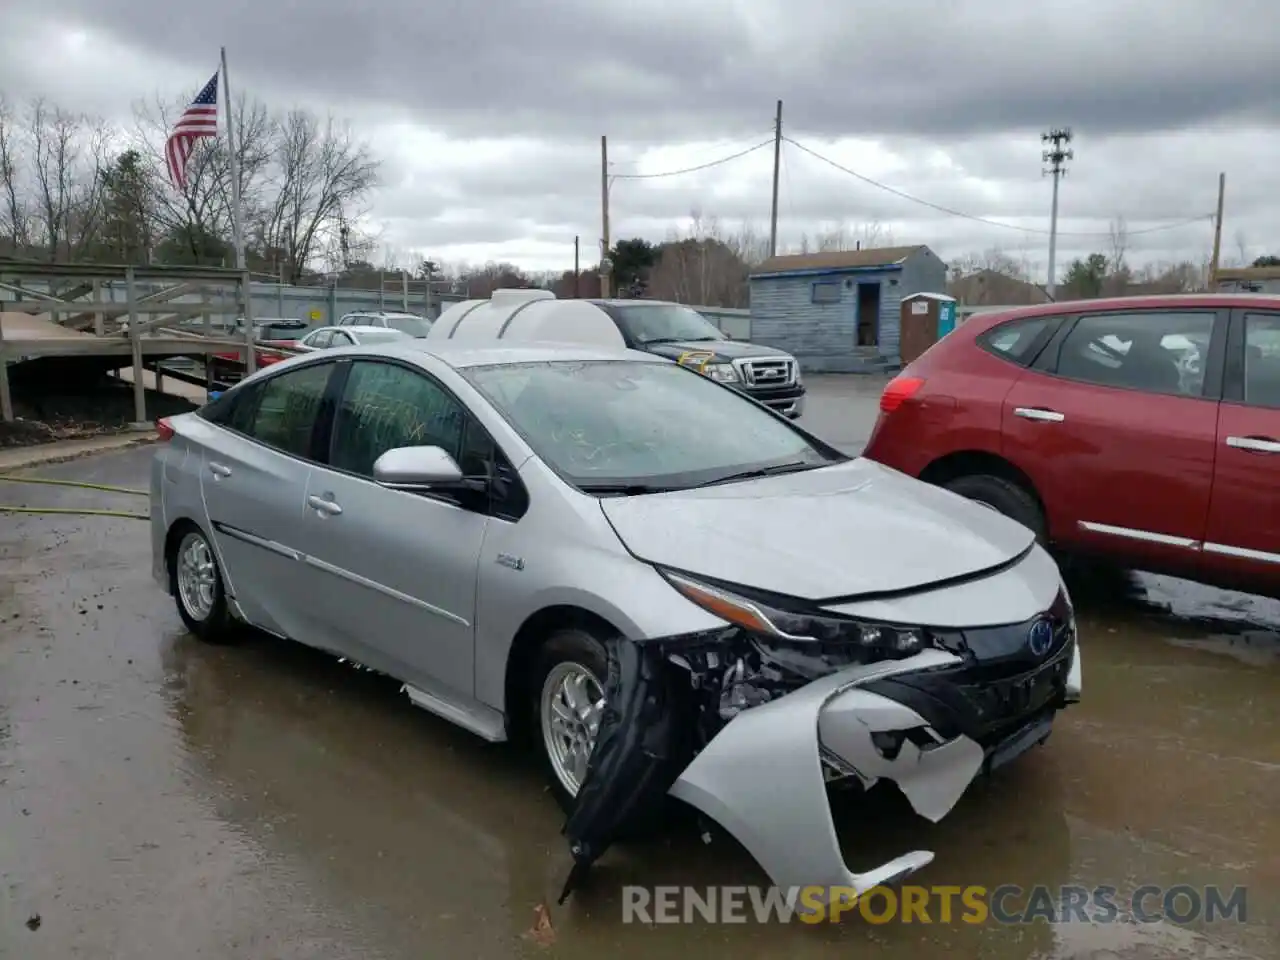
pixel 768 372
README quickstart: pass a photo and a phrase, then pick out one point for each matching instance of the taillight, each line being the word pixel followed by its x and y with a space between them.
pixel 165 429
pixel 898 390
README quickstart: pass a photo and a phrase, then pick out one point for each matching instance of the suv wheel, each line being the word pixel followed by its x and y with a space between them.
pixel 1005 497
pixel 567 694
pixel 196 584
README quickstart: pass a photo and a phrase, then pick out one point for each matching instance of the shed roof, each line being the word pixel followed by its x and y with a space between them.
pixel 837 259
pixel 1245 273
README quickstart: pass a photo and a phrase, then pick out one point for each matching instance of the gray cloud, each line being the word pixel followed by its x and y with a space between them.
pixel 957 92
pixel 665 69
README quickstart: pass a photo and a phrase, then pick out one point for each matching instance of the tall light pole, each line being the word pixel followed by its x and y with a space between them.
pixel 1056 156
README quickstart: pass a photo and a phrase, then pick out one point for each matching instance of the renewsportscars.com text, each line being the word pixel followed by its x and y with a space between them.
pixel 1004 905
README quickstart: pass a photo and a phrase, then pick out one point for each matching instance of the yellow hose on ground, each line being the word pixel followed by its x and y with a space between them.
pixel 77 483
pixel 76 511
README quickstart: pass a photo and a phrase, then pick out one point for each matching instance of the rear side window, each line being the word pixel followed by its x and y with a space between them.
pixel 287 408
pixel 1154 351
pixel 1018 340
pixel 320 339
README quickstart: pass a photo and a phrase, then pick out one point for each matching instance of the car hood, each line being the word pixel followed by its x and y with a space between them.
pixel 843 531
pixel 724 350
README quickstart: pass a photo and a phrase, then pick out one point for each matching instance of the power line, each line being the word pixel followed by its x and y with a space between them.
pixel 976 219
pixel 701 166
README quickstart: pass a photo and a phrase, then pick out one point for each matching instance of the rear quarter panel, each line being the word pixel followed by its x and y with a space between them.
pixel 175 488
pixel 957 409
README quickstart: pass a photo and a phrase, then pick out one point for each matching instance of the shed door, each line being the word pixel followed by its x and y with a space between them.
pixel 918 331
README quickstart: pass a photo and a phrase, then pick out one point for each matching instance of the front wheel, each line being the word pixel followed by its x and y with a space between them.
pixel 196 584
pixel 1005 497
pixel 568 699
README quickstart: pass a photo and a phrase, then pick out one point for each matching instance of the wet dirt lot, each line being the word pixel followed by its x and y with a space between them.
pixel 164 799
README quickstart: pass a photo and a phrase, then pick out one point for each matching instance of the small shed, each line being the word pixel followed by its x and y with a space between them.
pixel 839 312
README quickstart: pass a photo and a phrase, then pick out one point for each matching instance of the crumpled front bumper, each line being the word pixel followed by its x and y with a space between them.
pixel 784 819
pixel 916 722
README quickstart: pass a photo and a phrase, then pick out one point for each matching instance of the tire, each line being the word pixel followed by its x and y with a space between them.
pixel 202 601
pixel 567 654
pixel 1005 497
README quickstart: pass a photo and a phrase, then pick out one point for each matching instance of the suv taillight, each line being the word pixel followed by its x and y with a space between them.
pixel 898 390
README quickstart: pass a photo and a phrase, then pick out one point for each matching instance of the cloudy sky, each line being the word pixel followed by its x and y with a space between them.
pixel 488 114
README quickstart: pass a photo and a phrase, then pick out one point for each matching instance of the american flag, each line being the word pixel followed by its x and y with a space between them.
pixel 199 120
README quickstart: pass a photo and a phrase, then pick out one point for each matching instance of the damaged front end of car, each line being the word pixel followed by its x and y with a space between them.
pixel 808 696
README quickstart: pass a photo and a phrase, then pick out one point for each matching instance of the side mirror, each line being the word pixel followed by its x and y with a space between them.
pixel 416 468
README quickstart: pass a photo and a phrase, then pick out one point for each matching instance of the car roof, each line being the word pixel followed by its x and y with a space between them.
pixel 634 302
pixel 1172 300
pixel 357 328
pixel 459 356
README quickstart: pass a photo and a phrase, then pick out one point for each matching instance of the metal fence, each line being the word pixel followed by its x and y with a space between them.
pixel 318 306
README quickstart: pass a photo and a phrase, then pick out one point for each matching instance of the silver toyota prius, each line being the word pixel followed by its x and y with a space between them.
pixel 661 584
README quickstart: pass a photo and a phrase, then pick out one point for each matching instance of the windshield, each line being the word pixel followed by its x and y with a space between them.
pixel 604 425
pixel 413 326
pixel 664 323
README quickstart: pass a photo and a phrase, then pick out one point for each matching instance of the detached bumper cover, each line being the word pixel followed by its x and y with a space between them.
pixel 784 819
pixel 897 720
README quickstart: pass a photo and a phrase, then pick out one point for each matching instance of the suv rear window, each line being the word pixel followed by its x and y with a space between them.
pixel 1017 340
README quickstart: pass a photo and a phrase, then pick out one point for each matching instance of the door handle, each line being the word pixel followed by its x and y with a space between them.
pixel 1039 413
pixel 327 507
pixel 219 470
pixel 1255 444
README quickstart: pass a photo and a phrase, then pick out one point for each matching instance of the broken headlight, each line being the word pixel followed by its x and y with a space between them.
pixel 879 641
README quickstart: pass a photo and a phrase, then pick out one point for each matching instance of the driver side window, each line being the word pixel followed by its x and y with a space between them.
pixel 385 406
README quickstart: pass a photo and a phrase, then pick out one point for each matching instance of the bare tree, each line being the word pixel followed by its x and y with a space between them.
pixel 706 264
pixel 837 236
pixel 68 155
pixel 1119 276
pixel 1117 243
pixel 321 174
pixel 196 218
pixel 1242 247
pixel 15 218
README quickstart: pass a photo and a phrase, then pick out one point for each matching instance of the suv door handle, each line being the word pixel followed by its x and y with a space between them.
pixel 219 470
pixel 1039 413
pixel 327 507
pixel 1255 444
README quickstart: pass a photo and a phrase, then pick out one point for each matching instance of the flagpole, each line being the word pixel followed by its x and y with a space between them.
pixel 237 225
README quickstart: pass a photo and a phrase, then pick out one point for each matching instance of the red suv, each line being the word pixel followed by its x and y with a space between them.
pixel 1142 429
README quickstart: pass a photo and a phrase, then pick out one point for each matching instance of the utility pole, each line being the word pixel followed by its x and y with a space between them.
pixel 777 164
pixel 604 217
pixel 576 292
pixel 1217 235
pixel 1056 156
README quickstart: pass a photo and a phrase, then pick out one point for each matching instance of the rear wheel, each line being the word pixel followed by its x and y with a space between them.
pixel 568 701
pixel 1003 496
pixel 197 588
